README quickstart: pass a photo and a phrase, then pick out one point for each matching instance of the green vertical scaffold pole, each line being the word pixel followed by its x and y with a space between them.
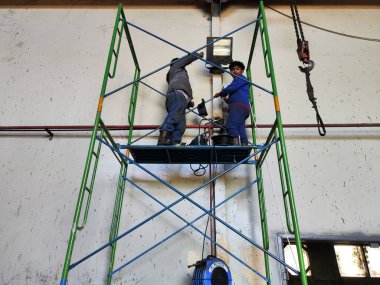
pixel 90 154
pixel 284 159
pixel 260 184
pixel 123 166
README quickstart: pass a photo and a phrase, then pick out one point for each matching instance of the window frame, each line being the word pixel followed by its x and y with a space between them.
pixel 362 241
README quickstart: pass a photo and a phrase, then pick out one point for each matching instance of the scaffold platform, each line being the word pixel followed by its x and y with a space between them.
pixel 148 154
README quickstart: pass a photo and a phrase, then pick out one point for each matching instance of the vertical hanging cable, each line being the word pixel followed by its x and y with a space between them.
pixel 304 56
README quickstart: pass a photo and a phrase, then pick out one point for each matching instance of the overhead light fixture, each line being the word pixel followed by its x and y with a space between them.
pixel 219 53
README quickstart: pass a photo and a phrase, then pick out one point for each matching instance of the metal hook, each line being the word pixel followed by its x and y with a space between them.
pixel 310 66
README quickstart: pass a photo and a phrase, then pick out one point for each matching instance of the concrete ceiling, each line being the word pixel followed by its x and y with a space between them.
pixel 200 3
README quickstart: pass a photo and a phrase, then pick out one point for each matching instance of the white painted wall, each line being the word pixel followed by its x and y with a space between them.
pixel 51 70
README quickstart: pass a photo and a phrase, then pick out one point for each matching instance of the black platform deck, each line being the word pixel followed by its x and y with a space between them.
pixel 189 154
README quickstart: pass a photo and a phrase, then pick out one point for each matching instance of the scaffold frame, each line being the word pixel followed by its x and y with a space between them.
pixel 254 155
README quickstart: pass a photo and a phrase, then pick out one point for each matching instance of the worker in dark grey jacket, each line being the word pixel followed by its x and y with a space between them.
pixel 178 97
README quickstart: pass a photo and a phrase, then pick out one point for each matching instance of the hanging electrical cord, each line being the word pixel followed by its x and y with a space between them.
pixel 200 171
pixel 281 217
pixel 277 204
pixel 204 237
pixel 304 56
pixel 201 139
pixel 208 220
pixel 326 30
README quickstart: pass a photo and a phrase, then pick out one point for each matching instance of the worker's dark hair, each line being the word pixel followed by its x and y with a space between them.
pixel 173 60
pixel 236 63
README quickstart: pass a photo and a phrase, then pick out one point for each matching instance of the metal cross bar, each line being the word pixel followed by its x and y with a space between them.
pixel 191 225
pixel 210 43
pixel 202 208
pixel 205 210
pixel 193 52
pixel 158 213
pixel 270 137
pixel 208 212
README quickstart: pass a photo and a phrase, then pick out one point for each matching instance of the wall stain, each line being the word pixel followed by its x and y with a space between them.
pixel 18 210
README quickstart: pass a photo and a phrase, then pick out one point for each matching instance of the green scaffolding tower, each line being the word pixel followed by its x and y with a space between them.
pixel 254 155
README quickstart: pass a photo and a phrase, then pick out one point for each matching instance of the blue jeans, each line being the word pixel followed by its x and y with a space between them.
pixel 236 122
pixel 175 121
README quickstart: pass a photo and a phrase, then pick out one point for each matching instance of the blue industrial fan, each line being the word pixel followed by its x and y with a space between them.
pixel 211 271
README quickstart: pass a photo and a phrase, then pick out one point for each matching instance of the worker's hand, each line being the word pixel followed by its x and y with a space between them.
pixel 217 95
pixel 201 54
pixel 225 99
pixel 190 104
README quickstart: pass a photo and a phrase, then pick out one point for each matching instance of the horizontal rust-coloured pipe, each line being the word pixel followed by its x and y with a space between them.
pixel 152 127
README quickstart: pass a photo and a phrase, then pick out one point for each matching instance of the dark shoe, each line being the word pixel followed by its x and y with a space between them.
pixel 236 141
pixel 164 138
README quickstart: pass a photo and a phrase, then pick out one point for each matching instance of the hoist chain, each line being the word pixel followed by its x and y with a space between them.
pixel 302 44
pixel 296 21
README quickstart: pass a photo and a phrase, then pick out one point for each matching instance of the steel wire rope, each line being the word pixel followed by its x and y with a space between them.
pixel 326 30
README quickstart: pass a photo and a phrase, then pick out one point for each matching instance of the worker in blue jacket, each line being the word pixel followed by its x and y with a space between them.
pixel 238 103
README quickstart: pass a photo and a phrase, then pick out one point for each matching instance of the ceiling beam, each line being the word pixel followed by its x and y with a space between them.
pixel 199 3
